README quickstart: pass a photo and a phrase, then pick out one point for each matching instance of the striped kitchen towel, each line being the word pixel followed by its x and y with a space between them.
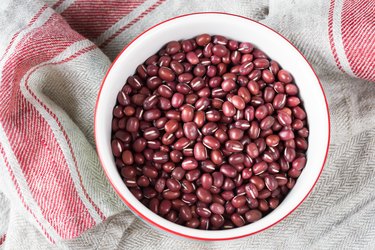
pixel 53 57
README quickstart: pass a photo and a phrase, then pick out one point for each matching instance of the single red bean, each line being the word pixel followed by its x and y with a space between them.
pixel 203 40
pixel 242 210
pixel 139 145
pixel 192 175
pixel 189 198
pixel 187 113
pixel 289 154
pixel 209 128
pixel 272 140
pixel 232 45
pixel 267 76
pixel 151 115
pixel 301 143
pixel 187 45
pixel 166 74
pixel 203 212
pixel 238 102
pixel 160 157
pixel 117 147
pixel 151 133
pixel 219 50
pixel 249 113
pixel 185 213
pixel 284 118
pixel 228 85
pixel 173 47
pixel 253 215
pixel 263 205
pixel 254 130
pixel 211 142
pixel 260 168
pixel 235 134
pixel 185 77
pixel 246 173
pixel 227 196
pixel 131 182
pixel 255 75
pixel 154 205
pixel 251 190
pixel 218 179
pixel 233 146
pixel 173 185
pixel 187 187
pixel 164 207
pixel 178 173
pixel 181 143
pixel 237 220
pixel 177 100
pixel 193 223
pixel 261 112
pixel 192 58
pixel 299 163
pixel 261 63
pixel 132 125
pixel 239 201
pixel 246 68
pixel 293 101
pixel 291 89
pixel 299 113
pixel 294 173
pixel 171 126
pixel 170 195
pixel 199 118
pixel 217 208
pixel 204 195
pixel 135 82
pixel 200 151
pixel 228 170
pixel 279 101
pixel 267 123
pixel 274 67
pixel 284 76
pixel 168 139
pixel 189 163
pixel 286 134
pixel 160 185
pixel 128 172
pixel 245 47
pixel 236 159
pixel 191 130
pixel 220 40
pixel 270 182
pixel 273 203
pixel 304 132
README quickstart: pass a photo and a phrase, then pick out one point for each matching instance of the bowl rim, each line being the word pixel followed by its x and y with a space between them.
pixel 155 223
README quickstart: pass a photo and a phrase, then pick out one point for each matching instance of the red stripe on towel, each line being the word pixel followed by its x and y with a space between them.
pixel 122 29
pixel 92 18
pixel 32 139
pixel 358 36
pixel 32 21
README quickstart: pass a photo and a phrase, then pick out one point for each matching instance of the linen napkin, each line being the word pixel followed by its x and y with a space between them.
pixel 53 57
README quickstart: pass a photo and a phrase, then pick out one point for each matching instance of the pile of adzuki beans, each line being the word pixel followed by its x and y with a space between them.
pixel 210 133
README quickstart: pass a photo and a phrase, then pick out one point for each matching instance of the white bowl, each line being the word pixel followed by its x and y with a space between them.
pixel 237 28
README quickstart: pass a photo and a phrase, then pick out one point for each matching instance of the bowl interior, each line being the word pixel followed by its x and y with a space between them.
pixel 237 28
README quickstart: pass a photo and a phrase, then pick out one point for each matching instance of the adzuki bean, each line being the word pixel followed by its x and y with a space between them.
pixel 210 133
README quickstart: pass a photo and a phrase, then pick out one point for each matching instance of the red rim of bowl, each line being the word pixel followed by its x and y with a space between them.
pixel 167 229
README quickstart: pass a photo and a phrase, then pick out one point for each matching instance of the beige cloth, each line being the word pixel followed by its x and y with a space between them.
pixel 338 214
